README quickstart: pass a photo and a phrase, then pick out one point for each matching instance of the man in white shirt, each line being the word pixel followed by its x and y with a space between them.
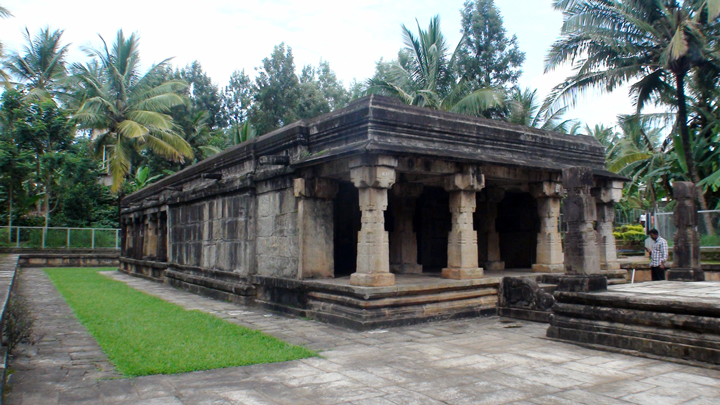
pixel 658 255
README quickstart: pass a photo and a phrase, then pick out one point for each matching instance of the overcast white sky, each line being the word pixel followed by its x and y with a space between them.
pixel 226 35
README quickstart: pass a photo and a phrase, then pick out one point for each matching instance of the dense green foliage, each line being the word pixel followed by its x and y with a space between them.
pixel 144 335
pixel 64 126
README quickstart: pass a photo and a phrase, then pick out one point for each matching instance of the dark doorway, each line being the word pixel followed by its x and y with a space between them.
pixel 518 224
pixel 346 216
pixel 432 226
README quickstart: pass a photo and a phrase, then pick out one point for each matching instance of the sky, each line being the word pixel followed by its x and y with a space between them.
pixel 227 35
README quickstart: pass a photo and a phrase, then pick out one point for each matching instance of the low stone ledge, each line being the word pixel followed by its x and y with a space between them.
pixel 660 342
pixel 369 293
pixel 692 323
pixel 144 262
pixel 208 282
pixel 68 260
pixel 403 300
pixel 689 306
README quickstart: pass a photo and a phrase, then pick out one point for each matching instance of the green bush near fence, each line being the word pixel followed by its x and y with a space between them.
pixel 630 234
pixel 58 238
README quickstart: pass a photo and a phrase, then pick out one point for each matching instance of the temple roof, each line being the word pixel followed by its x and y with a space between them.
pixel 377 124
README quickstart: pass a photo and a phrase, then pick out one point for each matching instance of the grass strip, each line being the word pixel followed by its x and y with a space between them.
pixel 144 335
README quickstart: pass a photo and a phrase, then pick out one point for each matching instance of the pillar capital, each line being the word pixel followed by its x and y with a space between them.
pixel 321 188
pixel 373 176
pixel 469 180
pixel 577 180
pixel 547 189
pixel 609 192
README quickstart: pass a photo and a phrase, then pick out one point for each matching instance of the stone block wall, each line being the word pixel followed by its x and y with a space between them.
pixel 277 234
pixel 215 234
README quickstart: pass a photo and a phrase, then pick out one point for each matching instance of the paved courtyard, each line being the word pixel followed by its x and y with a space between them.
pixel 475 361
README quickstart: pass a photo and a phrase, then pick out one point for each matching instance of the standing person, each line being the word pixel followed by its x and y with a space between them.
pixel 658 255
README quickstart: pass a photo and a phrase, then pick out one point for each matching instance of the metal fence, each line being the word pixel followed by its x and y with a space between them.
pixel 36 237
pixel 708 227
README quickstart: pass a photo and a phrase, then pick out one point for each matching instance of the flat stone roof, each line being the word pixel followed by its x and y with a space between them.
pixel 383 125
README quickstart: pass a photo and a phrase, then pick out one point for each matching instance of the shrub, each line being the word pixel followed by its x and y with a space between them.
pixel 18 322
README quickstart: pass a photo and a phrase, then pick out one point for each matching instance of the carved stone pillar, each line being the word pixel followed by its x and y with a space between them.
pixel 549 256
pixel 582 257
pixel 373 176
pixel 606 197
pixel 686 246
pixel 151 232
pixel 492 197
pixel 462 241
pixel 403 241
pixel 315 227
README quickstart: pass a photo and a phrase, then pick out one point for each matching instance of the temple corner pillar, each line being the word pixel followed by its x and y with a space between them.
pixel 315 227
pixel 606 197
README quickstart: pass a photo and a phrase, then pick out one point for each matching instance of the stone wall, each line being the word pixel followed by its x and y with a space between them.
pixel 277 234
pixel 215 234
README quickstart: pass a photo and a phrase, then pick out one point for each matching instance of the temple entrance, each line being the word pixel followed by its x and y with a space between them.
pixel 432 225
pixel 346 217
pixel 518 224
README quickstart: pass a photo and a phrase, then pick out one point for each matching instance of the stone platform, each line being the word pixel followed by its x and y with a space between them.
pixel 663 318
pixel 413 299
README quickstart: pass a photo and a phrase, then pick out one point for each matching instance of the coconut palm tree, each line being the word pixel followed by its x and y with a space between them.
pixel 651 44
pixel 425 77
pixel 524 108
pixel 129 110
pixel 41 65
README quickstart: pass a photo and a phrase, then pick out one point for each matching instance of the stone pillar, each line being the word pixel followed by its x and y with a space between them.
pixel 605 199
pixel 151 232
pixel 462 241
pixel 492 197
pixel 582 257
pixel 549 256
pixel 403 241
pixel 686 246
pixel 373 176
pixel 315 227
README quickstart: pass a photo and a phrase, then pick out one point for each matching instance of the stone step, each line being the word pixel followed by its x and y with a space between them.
pixel 550 288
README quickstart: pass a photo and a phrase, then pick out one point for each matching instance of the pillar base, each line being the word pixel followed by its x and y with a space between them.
pixel 548 268
pixel 610 266
pixel 372 280
pixel 495 265
pixel 462 274
pixel 685 275
pixel 582 283
pixel 406 268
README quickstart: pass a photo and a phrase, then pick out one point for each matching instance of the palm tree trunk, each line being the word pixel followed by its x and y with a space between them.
pixel 687 146
pixel 10 211
pixel 47 200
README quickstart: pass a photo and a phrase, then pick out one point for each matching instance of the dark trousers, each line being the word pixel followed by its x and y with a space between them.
pixel 658 273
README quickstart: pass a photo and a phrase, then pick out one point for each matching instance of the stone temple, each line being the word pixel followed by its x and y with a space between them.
pixel 377 214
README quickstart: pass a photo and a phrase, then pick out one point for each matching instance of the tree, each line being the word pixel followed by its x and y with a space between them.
pixel 41 66
pixel 486 57
pixel 204 95
pixel 524 109
pixel 237 98
pixel 127 111
pixel 422 76
pixel 652 45
pixel 46 130
pixel 277 91
pixel 15 161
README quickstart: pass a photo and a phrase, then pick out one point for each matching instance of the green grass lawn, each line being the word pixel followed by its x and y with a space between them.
pixel 144 335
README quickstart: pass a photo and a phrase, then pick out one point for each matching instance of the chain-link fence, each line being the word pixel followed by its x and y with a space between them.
pixel 708 227
pixel 58 238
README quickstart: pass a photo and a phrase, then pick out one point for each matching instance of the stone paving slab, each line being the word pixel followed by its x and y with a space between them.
pixel 472 361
